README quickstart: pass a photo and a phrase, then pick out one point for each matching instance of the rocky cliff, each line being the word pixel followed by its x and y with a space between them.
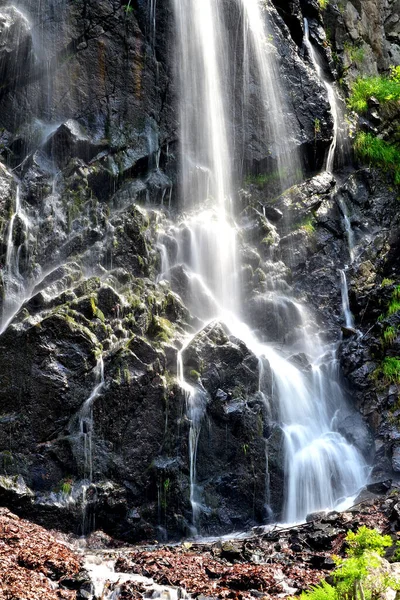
pixel 93 425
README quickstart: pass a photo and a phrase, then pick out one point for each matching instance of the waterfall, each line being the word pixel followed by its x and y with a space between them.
pixel 261 54
pixel 345 301
pixel 337 145
pixel 17 241
pixel 321 467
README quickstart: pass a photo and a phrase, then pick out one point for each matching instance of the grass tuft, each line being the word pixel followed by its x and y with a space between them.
pixel 379 153
pixel 384 89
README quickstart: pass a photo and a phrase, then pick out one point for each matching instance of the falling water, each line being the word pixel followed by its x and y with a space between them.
pixel 337 145
pixel 86 421
pixel 321 467
pixel 348 229
pixel 14 284
pixel 345 301
pixel 152 20
pixel 263 55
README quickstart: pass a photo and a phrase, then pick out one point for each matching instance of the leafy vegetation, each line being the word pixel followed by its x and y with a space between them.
pixel 323 3
pixel 358 575
pixel 378 152
pixel 384 89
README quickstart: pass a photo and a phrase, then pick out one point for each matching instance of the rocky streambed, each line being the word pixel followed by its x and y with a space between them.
pixel 271 562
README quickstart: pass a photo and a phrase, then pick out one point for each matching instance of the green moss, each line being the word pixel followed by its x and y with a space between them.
pixel 386 282
pixel 194 374
pixel 385 89
pixel 379 153
pixel 161 329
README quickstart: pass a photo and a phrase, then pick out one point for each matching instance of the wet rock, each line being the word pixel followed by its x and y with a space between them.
pixel 71 140
pixel 396 458
pixel 380 487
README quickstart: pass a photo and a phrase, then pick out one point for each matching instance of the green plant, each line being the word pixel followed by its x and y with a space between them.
pixel 323 4
pixel 358 576
pixel 394 305
pixel 323 591
pixel 194 374
pixel 389 335
pixel 388 370
pixel 378 152
pixel 366 540
pixel 161 329
pixel 385 89
pixel 129 8
pixel 395 73
pixel 66 488
pixel 386 282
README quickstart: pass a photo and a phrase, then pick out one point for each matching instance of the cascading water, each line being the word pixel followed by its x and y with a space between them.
pixel 337 148
pixel 321 467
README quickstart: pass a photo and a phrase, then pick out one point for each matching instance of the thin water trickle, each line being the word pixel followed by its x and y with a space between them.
pixel 345 301
pixel 86 421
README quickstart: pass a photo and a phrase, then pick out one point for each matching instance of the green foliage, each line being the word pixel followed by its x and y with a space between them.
pixel 395 73
pixel 194 374
pixel 356 53
pixel 389 370
pixel 323 591
pixel 367 540
pixel 389 335
pixel 66 488
pixel 378 152
pixel 358 576
pixel 386 282
pixel 323 4
pixel 129 8
pixel 385 89
pixel 394 305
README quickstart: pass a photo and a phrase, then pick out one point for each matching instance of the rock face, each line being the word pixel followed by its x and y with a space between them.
pixel 94 426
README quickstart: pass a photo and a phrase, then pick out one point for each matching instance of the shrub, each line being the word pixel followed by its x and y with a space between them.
pixel 366 540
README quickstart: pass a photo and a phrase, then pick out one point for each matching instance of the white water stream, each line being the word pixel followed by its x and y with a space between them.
pixel 332 98
pixel 321 467
pixel 14 283
pixel 345 301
